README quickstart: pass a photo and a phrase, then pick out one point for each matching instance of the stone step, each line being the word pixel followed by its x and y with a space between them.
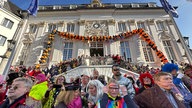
pixel 105 70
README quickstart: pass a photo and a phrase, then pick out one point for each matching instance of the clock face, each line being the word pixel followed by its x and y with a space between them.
pixel 96 25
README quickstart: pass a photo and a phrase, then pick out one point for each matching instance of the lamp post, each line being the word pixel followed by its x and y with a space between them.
pixel 9 55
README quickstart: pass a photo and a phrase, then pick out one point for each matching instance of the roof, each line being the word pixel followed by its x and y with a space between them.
pixel 12 8
pixel 78 2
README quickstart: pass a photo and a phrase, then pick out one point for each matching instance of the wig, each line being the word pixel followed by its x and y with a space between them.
pixel 148 75
pixel 99 86
pixel 169 67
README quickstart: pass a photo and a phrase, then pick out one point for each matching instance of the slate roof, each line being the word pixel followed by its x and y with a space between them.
pixel 12 8
pixel 78 2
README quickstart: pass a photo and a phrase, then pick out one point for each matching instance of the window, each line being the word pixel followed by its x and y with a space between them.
pixel 96 44
pixel 152 5
pixel 141 25
pixel 70 27
pixel 135 5
pixel 68 50
pixel 122 26
pixel 32 28
pixel 125 50
pixel 147 51
pixel 169 50
pixel 118 5
pixel 52 27
pixel 161 26
pixel 2 40
pixel 7 23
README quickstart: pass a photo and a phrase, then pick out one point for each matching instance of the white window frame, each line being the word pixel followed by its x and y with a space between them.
pixel 7 23
pixel 142 25
pixel 32 28
pixel 147 51
pixel 71 27
pixel 169 49
pixel 68 50
pixel 51 27
pixel 96 44
pixel 135 5
pixel 125 48
pixel 2 40
pixel 161 26
pixel 122 27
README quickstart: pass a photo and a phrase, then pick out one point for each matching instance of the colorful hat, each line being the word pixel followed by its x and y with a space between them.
pixel 41 77
pixel 169 67
pixel 148 75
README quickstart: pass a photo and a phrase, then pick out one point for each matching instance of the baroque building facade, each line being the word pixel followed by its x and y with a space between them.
pixel 100 19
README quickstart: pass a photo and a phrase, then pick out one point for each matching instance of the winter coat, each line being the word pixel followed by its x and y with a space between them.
pixel 22 102
pixel 155 98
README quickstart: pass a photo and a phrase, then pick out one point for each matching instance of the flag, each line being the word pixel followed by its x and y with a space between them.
pixel 32 10
pixel 168 8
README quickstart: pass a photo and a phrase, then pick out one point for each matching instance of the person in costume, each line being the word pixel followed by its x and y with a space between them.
pixel 112 99
pixel 146 80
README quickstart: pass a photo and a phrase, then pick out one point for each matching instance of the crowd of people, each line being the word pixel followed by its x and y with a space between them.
pixel 165 87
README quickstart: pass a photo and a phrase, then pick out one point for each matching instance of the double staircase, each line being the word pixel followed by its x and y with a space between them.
pixel 105 70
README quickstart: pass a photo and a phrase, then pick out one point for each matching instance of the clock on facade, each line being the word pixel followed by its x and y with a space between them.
pixel 96 25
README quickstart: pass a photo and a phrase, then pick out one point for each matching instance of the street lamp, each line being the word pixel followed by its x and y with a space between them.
pixel 10 44
pixel 8 55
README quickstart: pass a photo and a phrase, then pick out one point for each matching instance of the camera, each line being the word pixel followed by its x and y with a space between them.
pixel 57 86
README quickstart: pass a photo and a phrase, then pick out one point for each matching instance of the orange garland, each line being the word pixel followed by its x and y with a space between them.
pixel 144 36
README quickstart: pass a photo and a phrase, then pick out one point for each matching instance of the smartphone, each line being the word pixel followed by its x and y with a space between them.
pixel 57 86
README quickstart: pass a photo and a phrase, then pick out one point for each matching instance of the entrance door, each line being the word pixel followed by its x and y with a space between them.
pixel 96 48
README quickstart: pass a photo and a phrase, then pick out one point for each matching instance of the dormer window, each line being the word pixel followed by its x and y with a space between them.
pixel 135 5
pixel 73 6
pixel 118 5
pixel 56 7
pixel 151 4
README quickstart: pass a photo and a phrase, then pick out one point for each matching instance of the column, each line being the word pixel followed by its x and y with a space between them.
pixel 57 48
pixel 112 46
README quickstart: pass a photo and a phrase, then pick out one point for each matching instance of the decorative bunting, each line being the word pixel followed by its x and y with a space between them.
pixel 144 36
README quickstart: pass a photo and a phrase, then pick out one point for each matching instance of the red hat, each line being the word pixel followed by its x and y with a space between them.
pixel 148 75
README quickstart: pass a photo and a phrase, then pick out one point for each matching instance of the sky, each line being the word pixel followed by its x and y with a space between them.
pixel 184 21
